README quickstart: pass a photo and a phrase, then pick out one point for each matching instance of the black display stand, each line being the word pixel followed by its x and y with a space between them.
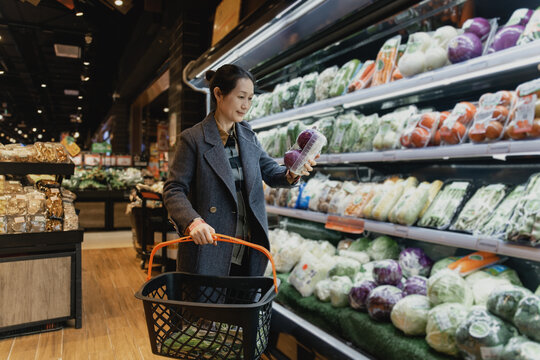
pixel 109 197
pixel 37 248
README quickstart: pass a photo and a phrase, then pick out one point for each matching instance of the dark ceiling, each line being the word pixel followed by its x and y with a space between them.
pixel 34 81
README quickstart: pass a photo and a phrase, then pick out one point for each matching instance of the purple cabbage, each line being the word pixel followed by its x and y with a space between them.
pixel 506 37
pixel 387 272
pixel 359 294
pixel 381 301
pixel 414 261
pixel 464 47
pixel 520 17
pixel 304 137
pixel 477 26
pixel 415 285
pixel 291 157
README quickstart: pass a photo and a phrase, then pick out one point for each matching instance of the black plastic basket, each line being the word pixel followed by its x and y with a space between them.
pixel 192 316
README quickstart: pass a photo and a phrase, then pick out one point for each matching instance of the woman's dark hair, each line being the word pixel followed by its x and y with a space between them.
pixel 225 78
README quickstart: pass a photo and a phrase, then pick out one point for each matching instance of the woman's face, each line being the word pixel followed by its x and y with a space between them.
pixel 234 106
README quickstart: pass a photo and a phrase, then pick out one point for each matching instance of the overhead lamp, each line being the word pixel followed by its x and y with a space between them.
pixel 79 108
pixel 40 136
pixel 39 111
pixel 34 129
pixel 79 13
pixel 166 109
pixel 2 134
pixel 118 2
pixel 76 135
pixel 86 63
pixel 19 132
pixel 16 129
pixel 25 136
pixel 71 92
pixel 85 78
pixel 52 139
pixel 1 72
pixel 80 97
pixel 43 85
pixel 43 130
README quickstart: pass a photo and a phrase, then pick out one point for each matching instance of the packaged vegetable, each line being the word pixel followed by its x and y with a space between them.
pixel 343 124
pixel 381 301
pixel 387 272
pixel 443 35
pixel 454 129
pixel 361 256
pixel 473 262
pixel 446 286
pixel 415 285
pixel 360 244
pixel 306 92
pixel 277 98
pixel 503 272
pixel 339 291
pixel 383 247
pixel 289 94
pixel 496 223
pixel 442 264
pixel 353 134
pixel 413 60
pixel 441 211
pixel 343 77
pixel 286 257
pixel 410 314
pixel 482 289
pixel 385 62
pixel 359 293
pixel 363 77
pixel 378 193
pixel 506 37
pixel 322 290
pixel 522 123
pixel 477 210
pixel 345 267
pixel 521 348
pixel 359 199
pixel 404 199
pixel 442 323
pixel 391 197
pixel 482 335
pixel 527 317
pixel 504 301
pixel 308 272
pixel 525 222
pixel 324 83
pixel 478 26
pixel 366 131
pixel 532 30
pixel 339 201
pixel 420 130
pixel 390 128
pixel 414 261
pixel 326 127
pixel 520 17
pixel 409 211
pixel 491 116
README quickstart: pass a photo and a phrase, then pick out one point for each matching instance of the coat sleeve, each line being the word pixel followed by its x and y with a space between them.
pixel 273 174
pixel 177 186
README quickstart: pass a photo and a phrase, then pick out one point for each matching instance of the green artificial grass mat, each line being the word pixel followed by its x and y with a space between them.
pixel 380 339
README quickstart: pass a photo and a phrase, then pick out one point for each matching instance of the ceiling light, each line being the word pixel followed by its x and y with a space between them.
pixel 80 97
pixel 1 72
pixel 19 132
pixel 25 136
pixel 39 111
pixel 71 92
pixel 43 130
pixel 85 78
pixel 52 139
pixel 16 129
pixel 118 2
pixel 166 110
pixel 76 135
pixel 69 51
pixel 40 136
pixel 79 108
pixel 2 134
pixel 34 129
pixel 86 63
pixel 79 13
pixel 43 85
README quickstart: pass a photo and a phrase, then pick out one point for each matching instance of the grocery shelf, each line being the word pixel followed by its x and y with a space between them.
pixel 21 168
pixel 288 322
pixel 40 240
pixel 523 147
pixel 512 60
pixel 440 237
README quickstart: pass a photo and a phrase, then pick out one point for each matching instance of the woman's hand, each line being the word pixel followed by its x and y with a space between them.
pixel 308 167
pixel 202 234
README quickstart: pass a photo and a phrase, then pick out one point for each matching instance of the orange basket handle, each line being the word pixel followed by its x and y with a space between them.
pixel 217 237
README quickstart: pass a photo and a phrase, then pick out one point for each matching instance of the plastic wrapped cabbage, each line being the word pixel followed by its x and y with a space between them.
pixel 383 247
pixel 521 348
pixel 503 272
pixel 322 290
pixel 342 127
pixel 345 267
pixel 414 261
pixel 442 264
pixel 361 256
pixel 482 285
pixel 482 335
pixel 306 93
pixel 359 294
pixel 527 317
pixel 288 255
pixel 339 291
pixel 504 301
pixel 289 95
pixel 447 286
pixel 410 314
pixel 308 272
pixel 277 98
pixel 360 244
pixel 415 285
pixel 381 301
pixel 343 77
pixel 363 275
pixel 326 127
pixel 387 272
pixel 324 82
pixel 319 248
pixel 442 323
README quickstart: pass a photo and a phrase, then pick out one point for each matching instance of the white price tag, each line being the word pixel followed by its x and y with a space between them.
pixel 401 230
pixel 487 244
pixel 336 159
pixel 477 66
pixel 19 220
pixel 388 155
pixel 501 148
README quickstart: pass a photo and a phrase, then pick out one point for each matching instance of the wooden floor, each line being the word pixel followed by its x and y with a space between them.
pixel 113 320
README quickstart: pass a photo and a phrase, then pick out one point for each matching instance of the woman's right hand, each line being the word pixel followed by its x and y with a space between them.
pixel 202 234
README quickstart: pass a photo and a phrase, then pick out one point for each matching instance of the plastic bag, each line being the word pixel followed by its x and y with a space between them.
pixel 324 83
pixel 343 77
pixel 306 93
pixel 385 63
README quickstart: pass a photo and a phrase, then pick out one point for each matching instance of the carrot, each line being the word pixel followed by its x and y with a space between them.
pixel 363 77
pixel 386 61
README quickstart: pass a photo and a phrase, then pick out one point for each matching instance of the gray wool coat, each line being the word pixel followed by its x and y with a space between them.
pixel 201 184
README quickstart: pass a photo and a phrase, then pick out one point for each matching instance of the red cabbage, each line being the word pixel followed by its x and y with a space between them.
pixel 414 261
pixel 477 26
pixel 387 272
pixel 520 17
pixel 464 47
pixel 381 301
pixel 291 156
pixel 359 294
pixel 304 137
pixel 415 285
pixel 507 37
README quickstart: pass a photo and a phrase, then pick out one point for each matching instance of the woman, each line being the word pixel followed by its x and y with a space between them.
pixel 215 183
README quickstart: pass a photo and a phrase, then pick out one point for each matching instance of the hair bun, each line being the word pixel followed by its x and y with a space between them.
pixel 209 75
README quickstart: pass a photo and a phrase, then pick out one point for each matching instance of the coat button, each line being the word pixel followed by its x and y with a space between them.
pixel 213 209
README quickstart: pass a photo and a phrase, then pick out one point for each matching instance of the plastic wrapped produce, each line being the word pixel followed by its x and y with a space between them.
pixel 387 272
pixel 378 193
pixel 479 207
pixel 321 201
pixel 415 285
pixel 343 77
pixel 36 223
pixel 386 61
pixel 410 314
pixel 367 127
pixel 339 203
pixel 277 98
pixel 359 199
pixel 326 127
pixel 287 256
pixel 441 211
pixel 390 198
pixel 414 261
pixel 345 266
pixel 522 122
pixel 324 83
pixel 354 135
pixel 525 221
pixel 308 272
pixel 407 212
pixel 527 317
pixel 322 290
pixel 532 31
pixel 504 301
pixel 363 77
pixel 383 247
pixel 521 348
pixel 294 128
pixel 290 93
pixel 381 301
pixel 343 124
pixel 17 204
pixel 454 129
pixel 482 335
pixel 503 272
pixel 447 286
pixel 361 256
pixel 495 225
pixel 339 291
pixel 306 93
pixel 443 264
pixel 482 289
pixel 442 323
pixel 359 294
pixel 390 128
pixel 491 116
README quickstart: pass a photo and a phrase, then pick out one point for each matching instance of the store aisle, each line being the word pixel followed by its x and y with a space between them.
pixel 113 320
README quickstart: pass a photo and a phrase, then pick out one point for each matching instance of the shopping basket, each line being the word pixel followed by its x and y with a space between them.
pixel 192 316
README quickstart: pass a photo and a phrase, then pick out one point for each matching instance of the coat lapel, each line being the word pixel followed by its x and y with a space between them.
pixel 215 156
pixel 250 154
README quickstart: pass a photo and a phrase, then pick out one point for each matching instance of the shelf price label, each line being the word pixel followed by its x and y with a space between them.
pixel 344 224
pixel 487 244
pixel 402 231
